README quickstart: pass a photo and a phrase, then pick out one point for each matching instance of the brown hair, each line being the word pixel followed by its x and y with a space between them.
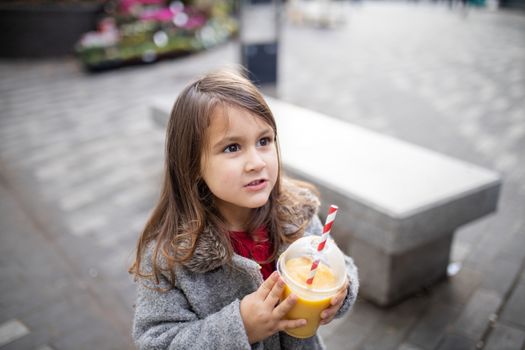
pixel 185 206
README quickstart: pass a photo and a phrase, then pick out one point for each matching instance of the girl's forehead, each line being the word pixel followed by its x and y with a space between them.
pixel 227 117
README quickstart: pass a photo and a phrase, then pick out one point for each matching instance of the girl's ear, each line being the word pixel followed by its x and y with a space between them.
pixel 202 188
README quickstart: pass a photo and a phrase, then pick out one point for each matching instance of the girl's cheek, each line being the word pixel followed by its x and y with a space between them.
pixel 229 172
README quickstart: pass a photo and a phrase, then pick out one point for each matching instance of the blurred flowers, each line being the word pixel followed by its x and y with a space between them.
pixel 134 31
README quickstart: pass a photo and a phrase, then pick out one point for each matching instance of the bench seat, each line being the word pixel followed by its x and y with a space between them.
pixel 399 204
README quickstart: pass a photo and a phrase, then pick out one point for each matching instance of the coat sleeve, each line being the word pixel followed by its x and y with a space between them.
pixel 316 228
pixel 165 320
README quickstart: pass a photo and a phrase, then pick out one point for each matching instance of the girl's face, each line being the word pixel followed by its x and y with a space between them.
pixel 240 163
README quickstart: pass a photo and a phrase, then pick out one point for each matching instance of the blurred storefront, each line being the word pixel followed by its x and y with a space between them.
pixel 106 34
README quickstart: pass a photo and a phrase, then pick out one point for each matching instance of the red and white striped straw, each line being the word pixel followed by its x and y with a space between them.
pixel 332 212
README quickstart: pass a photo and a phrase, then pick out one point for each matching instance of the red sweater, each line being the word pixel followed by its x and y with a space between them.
pixel 257 248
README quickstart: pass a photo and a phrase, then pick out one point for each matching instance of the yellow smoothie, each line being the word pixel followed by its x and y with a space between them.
pixel 309 305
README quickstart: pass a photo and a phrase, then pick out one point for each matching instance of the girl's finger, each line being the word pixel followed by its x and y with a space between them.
pixel 328 313
pixel 266 286
pixel 341 295
pixel 283 308
pixel 275 293
pixel 289 324
pixel 326 321
pixel 328 318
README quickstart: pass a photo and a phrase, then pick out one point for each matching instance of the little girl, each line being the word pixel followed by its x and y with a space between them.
pixel 205 261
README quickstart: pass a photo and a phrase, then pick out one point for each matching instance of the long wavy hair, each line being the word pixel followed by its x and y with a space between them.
pixel 186 205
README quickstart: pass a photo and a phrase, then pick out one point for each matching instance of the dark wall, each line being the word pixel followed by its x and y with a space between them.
pixel 513 4
pixel 44 30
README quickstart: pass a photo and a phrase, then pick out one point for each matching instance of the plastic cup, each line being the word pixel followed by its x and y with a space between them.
pixel 313 299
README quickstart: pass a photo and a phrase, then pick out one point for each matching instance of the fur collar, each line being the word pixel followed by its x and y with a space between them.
pixel 297 202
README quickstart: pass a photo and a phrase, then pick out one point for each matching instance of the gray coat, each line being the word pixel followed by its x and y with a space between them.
pixel 200 310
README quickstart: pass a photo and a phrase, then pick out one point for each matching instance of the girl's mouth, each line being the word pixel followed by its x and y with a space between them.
pixel 256 185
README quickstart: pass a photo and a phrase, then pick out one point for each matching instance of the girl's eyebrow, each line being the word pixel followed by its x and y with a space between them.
pixel 265 132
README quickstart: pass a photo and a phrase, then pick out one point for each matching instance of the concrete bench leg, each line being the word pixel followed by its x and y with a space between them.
pixel 386 278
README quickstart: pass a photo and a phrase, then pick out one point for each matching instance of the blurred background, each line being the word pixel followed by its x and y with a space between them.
pixel 81 156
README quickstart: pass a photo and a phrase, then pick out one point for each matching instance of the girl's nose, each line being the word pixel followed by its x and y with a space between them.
pixel 254 161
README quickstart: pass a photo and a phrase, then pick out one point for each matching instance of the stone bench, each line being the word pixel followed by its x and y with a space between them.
pixel 399 204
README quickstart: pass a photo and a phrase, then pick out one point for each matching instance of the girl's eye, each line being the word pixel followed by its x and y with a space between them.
pixel 265 141
pixel 232 148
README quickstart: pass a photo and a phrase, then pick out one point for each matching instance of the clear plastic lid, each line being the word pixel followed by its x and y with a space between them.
pixel 331 257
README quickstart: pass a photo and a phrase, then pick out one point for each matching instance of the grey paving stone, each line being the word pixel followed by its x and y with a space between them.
pixel 22 301
pixel 432 326
pixel 475 317
pixel 356 326
pixel 512 249
pixel 457 290
pixel 44 347
pixel 10 276
pixel 505 337
pixel 349 341
pixel 98 337
pixel 33 340
pixel 75 311
pixel 408 346
pixel 457 342
pixel 494 236
pixel 12 330
pixel 394 325
pixel 50 289
pixel 514 309
pixel 501 276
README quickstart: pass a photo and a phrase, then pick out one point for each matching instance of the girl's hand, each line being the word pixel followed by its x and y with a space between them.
pixel 260 313
pixel 335 304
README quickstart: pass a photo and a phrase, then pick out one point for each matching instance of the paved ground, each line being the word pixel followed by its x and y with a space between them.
pixel 80 161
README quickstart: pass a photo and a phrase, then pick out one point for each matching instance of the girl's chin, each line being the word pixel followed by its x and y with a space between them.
pixel 258 203
pixel 252 202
